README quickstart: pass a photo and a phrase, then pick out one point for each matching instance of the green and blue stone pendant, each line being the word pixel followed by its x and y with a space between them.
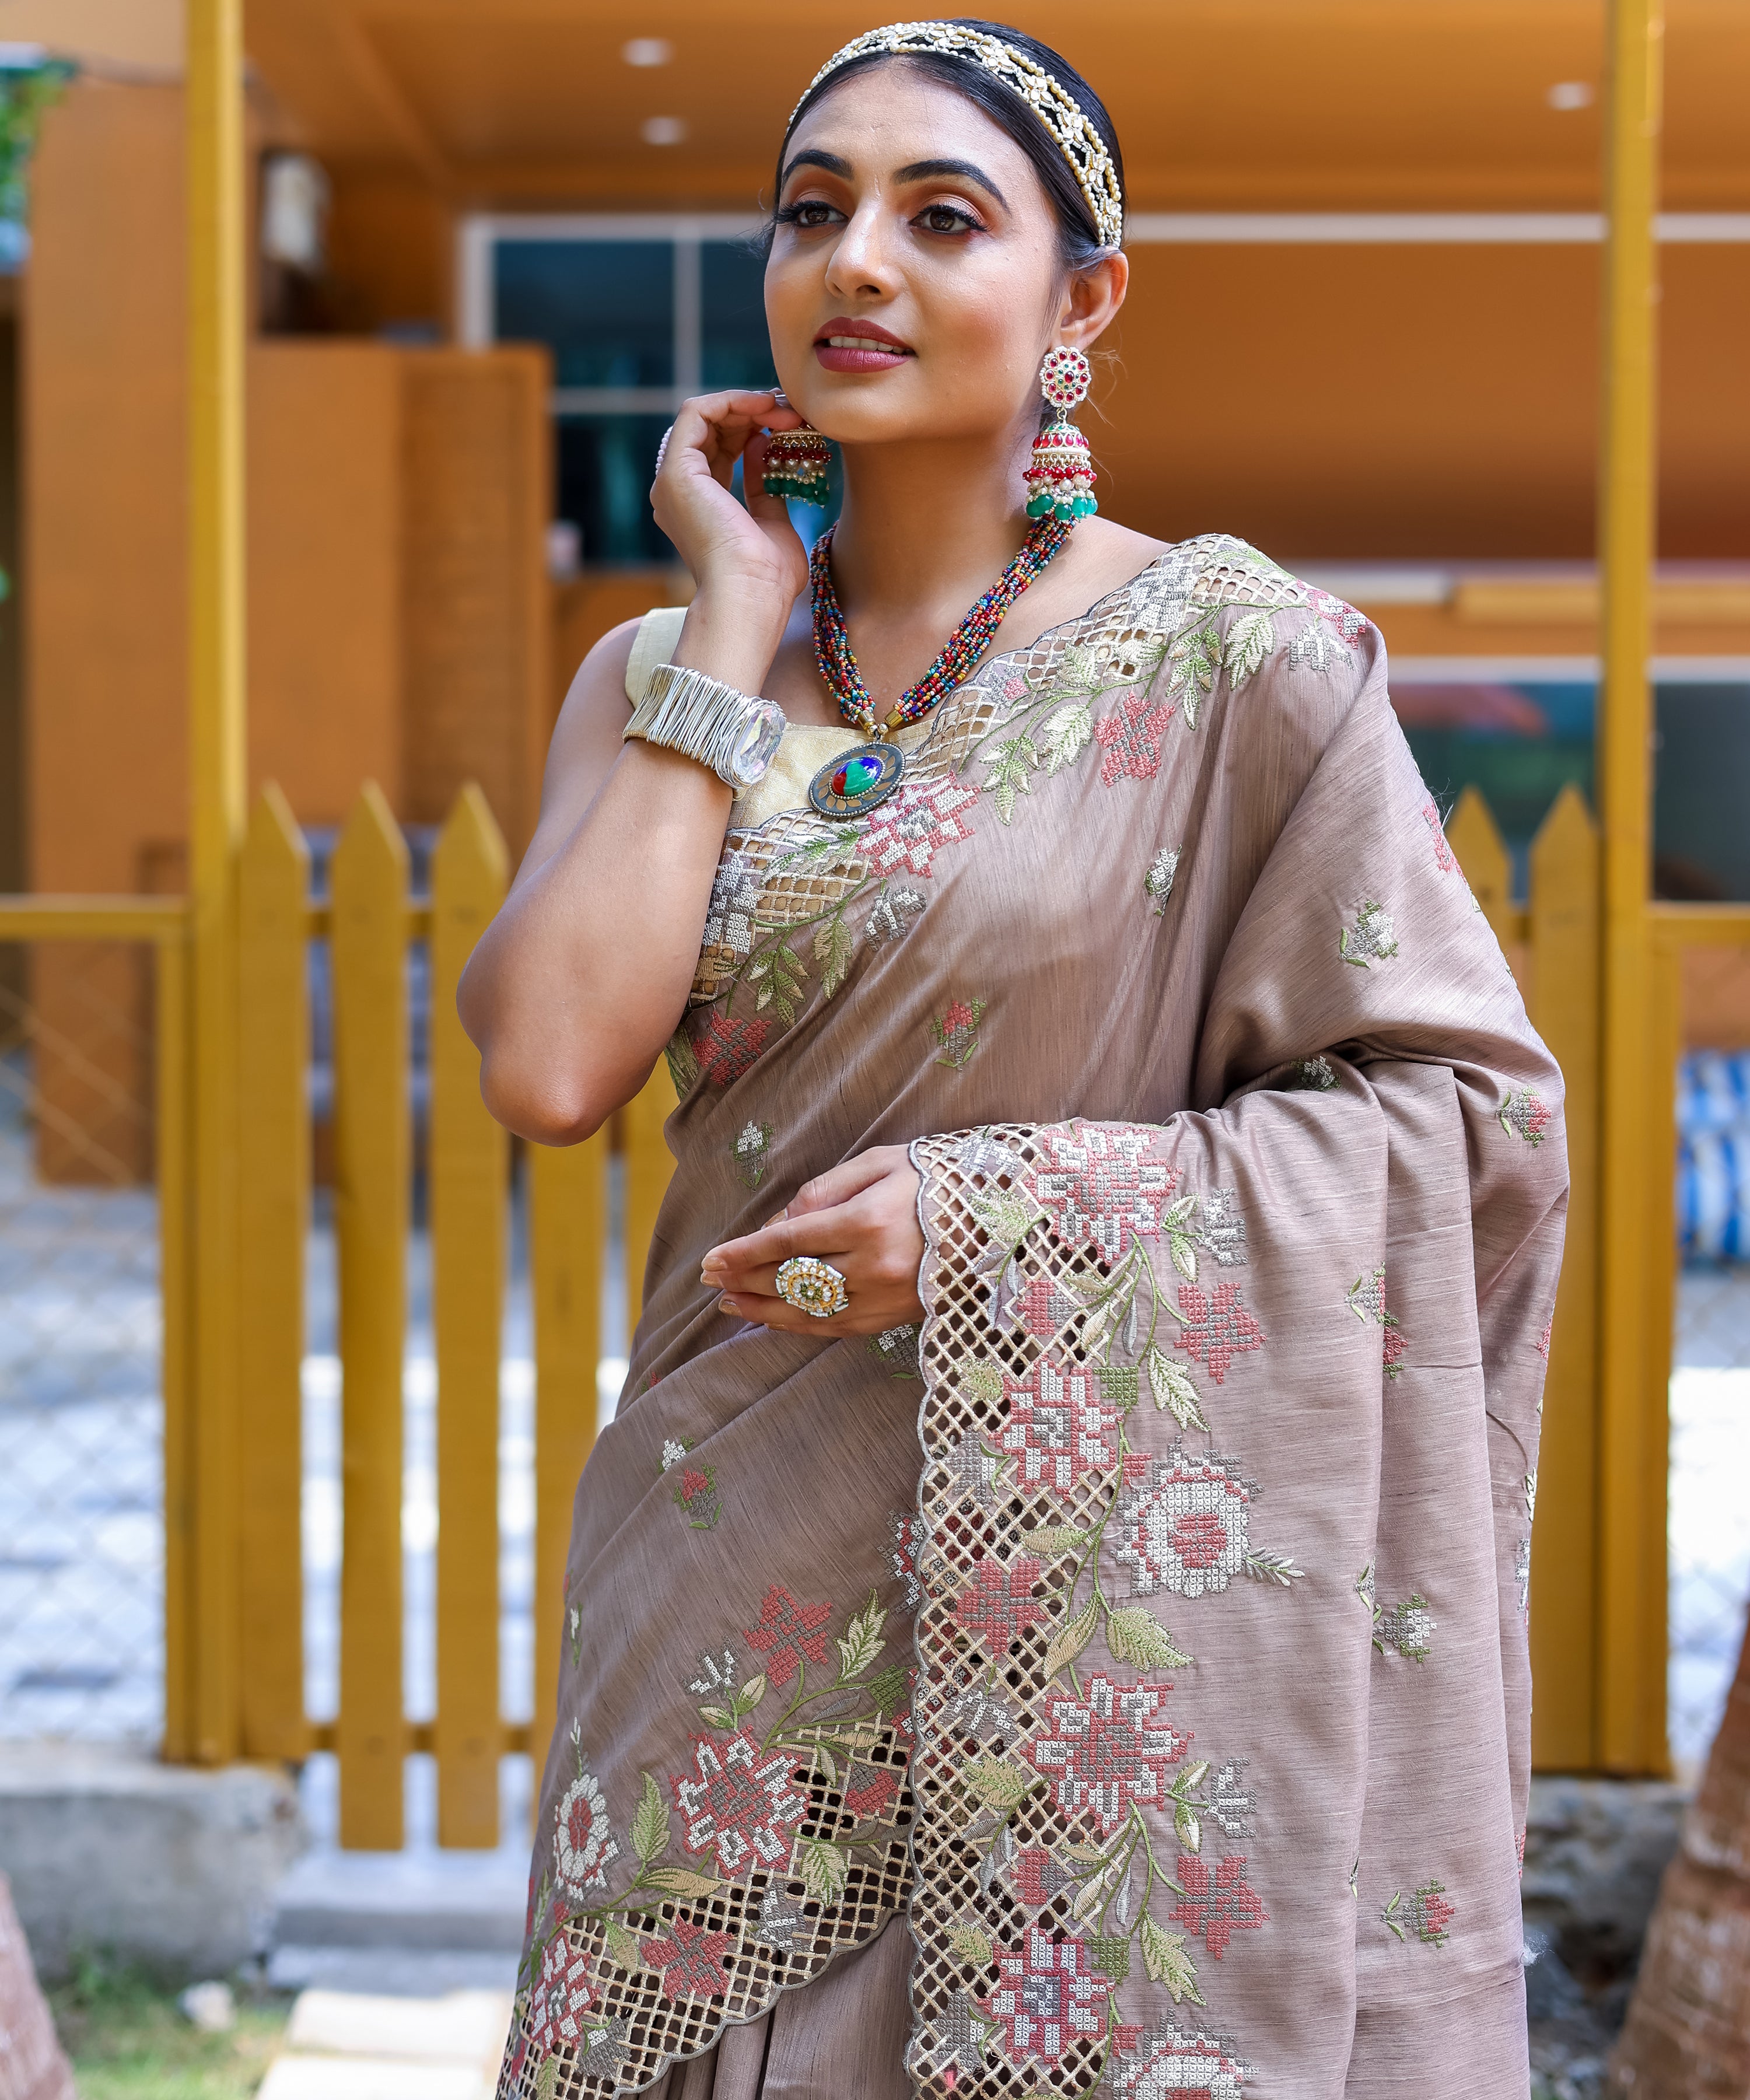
pixel 857 781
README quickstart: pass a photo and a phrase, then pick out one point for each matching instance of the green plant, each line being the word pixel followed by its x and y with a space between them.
pixel 25 92
pixel 128 2040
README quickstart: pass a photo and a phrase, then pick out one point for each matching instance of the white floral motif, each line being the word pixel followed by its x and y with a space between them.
pixel 1100 1187
pixel 1158 881
pixel 583 1845
pixel 893 913
pixel 1170 2063
pixel 1183 1528
pixel 673 1452
pixel 734 898
pixel 1372 939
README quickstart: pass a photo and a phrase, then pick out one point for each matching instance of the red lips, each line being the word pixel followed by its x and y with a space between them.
pixel 872 348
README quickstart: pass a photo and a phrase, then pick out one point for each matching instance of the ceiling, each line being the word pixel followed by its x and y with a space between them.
pixel 1237 104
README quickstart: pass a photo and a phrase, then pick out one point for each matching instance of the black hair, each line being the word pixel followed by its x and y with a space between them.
pixel 1078 238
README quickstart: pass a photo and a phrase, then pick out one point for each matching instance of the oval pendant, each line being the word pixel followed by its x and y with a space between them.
pixel 859 781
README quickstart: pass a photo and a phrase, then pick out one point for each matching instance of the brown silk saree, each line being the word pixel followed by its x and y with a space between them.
pixel 1146 1633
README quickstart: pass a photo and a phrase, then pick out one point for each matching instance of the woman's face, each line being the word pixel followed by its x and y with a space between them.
pixel 915 281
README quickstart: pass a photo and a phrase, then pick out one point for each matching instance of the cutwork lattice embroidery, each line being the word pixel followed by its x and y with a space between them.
pixel 1372 939
pixel 1525 1114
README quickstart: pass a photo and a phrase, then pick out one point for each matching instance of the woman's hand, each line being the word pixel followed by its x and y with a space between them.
pixel 862 1217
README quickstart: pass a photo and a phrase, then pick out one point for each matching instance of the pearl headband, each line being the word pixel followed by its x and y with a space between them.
pixel 1053 104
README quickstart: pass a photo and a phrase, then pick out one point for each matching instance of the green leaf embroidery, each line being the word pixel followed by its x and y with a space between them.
pixel 981 1381
pixel 1187 1828
pixel 1007 1215
pixel 1166 1959
pixel 677 1881
pixel 833 949
pixel 1194 661
pixel 824 1869
pixel 751 1693
pixel 780 973
pixel 1173 1390
pixel 1120 1383
pixel 547 2079
pixel 626 1947
pixel 970 1944
pixel 887 1691
pixel 1277 1568
pixel 994 1784
pixel 1049 1538
pixel 1071 1638
pixel 1066 734
pixel 862 1641
pixel 1250 640
pixel 719 1717
pixel 683 1062
pixel 649 1823
pixel 1135 1636
pixel 1007 776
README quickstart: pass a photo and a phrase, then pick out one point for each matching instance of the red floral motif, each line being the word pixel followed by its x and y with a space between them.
pixel 1130 739
pixel 562 1994
pixel 1218 1905
pixel 1101 1189
pixel 1185 1527
pixel 1059 1426
pixel 1443 857
pixel 1042 1309
pixel 869 1790
pixel 919 820
pixel 1350 624
pixel 1108 1750
pixel 1429 1914
pixel 1395 1345
pixel 739 1802
pixel 693 1482
pixel 1049 1996
pixel 1525 1114
pixel 789 1633
pixel 1216 1330
pixel 728 1045
pixel 690 1960
pixel 999 1606
pixel 1038 1876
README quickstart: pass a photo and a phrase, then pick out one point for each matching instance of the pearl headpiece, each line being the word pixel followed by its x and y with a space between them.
pixel 1050 102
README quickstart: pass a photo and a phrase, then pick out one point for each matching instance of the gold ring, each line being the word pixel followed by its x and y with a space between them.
pixel 812 1287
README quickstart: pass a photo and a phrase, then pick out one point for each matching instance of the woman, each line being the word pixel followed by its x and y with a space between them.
pixel 1074 1556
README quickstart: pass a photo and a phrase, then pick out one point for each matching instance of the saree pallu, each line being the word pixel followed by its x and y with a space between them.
pixel 1148 1629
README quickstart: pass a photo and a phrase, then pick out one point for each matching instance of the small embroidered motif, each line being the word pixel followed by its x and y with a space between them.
pixel 1425 1912
pixel 982 1156
pixel 1314 1075
pixel 716 1673
pixel 583 1845
pixel 1130 739
pixel 1230 1804
pixel 1171 2062
pixel 897 1348
pixel 1049 1996
pixel 727 1045
pixel 1060 1425
pixel 749 1152
pixel 910 1534
pixel 1543 1339
pixel 1522 1574
pixel 789 1633
pixel 1367 1301
pixel 1531 1496
pixel 1443 857
pixel 891 918
pixel 734 898
pixel 689 1959
pixel 1312 647
pixel 696 1493
pixel 1372 939
pixel 1217 1905
pixel 1183 1528
pixel 1525 1114
pixel 674 1450
pixel 1215 1330
pixel 999 1606
pixel 1351 625
pixel 1101 1188
pixel 1038 1876
pixel 738 1802
pixel 1221 1230
pixel 1408 1627
pixel 956 1031
pixel 908 832
pixel 780 1919
pixel 1158 881
pixel 1355 1878
pixel 1107 1749
pixel 561 1996
pixel 983 1715
pixel 1393 1344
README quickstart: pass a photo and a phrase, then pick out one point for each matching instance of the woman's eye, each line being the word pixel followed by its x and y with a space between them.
pixel 811 212
pixel 945 219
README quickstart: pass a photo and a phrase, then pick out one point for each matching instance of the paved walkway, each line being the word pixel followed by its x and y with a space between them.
pixel 346 2045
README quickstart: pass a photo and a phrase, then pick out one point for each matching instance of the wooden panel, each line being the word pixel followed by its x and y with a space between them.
pixel 273 1160
pixel 649 1167
pixel 477 497
pixel 176 1366
pixel 585 607
pixel 470 1194
pixel 567 1235
pixel 1474 837
pixel 372 1156
pixel 1564 909
pixel 1651 1635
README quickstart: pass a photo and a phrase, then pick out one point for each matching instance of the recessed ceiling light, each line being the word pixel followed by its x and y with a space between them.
pixel 647 52
pixel 1570 94
pixel 663 130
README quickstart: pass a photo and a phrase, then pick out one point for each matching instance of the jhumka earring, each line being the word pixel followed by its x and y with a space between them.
pixel 1062 474
pixel 795 465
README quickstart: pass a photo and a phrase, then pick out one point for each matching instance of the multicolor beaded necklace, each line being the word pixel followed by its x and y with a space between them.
pixel 856 784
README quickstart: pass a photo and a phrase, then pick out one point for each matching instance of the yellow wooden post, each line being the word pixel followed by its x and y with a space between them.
pixel 273 1156
pixel 469 1196
pixel 1564 944
pixel 1475 839
pixel 171 1104
pixel 371 1173
pixel 649 1167
pixel 1632 1458
pixel 567 1236
pixel 215 180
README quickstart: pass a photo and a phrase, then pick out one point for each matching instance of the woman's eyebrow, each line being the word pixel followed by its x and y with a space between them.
pixel 834 164
pixel 922 171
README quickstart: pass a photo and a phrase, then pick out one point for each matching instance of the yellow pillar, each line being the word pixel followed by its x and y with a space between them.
pixel 216 250
pixel 1636 1215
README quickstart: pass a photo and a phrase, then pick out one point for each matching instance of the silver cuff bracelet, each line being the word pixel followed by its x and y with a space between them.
pixel 735 734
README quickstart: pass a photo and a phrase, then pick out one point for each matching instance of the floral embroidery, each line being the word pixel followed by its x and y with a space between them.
pixel 738 1802
pixel 1408 1627
pixel 1425 1913
pixel 1216 1329
pixel 607 2049
pixel 780 1920
pixel 1367 1301
pixel 1101 1187
pixel 1372 939
pixel 1314 1075
pixel 734 898
pixel 908 832
pixel 1443 857
pixel 1044 1307
pixel 789 1633
pixel 1312 647
pixel 749 1152
pixel 1130 739
pixel 1049 1996
pixel 897 1348
pixel 999 1606
pixel 1230 1803
pixel 1107 1749
pixel 1170 2063
pixel 1543 1339
pixel 1350 624
pixel 956 1031
pixel 1184 1527
pixel 1158 881
pixel 1222 1231
pixel 1217 1905
pixel 695 1489
pixel 690 1960
pixel 910 1534
pixel 974 1467
pixel 1522 1574
pixel 562 1994
pixel 1037 1876
pixel 893 914
pixel 1525 1114
pixel 728 1045
pixel 583 1844
pixel 1060 1425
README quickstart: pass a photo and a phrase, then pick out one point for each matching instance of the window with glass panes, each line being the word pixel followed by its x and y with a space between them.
pixel 638 312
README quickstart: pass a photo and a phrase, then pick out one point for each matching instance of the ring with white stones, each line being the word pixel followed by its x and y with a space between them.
pixel 662 450
pixel 812 1287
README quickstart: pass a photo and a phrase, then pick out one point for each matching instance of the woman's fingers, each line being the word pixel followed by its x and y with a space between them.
pixel 839 1184
pixel 823 1233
